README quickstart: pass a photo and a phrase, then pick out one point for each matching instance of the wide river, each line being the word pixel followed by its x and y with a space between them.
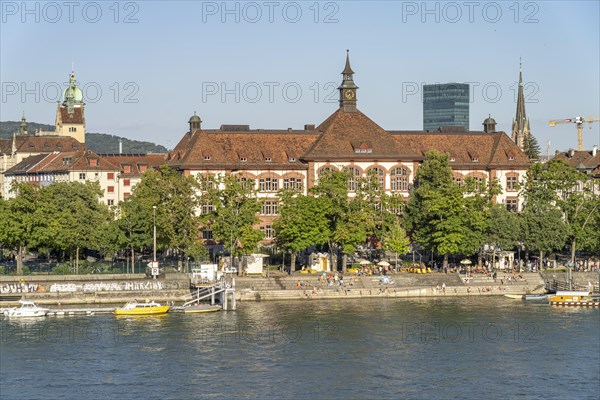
pixel 453 348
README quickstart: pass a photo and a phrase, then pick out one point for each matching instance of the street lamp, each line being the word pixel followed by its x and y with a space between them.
pixel 154 247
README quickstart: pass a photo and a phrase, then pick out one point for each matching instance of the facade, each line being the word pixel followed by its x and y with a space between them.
pixel 585 161
pixel 347 140
pixel 445 104
pixel 116 174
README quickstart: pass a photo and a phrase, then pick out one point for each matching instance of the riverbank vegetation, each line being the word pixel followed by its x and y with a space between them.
pixel 340 214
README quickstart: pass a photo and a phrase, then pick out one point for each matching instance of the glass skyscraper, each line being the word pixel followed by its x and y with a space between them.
pixel 445 104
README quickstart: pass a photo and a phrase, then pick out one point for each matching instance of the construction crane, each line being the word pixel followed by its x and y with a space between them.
pixel 579 121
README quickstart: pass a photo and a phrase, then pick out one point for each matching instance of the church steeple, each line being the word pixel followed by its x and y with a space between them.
pixel 520 126
pixel 348 87
pixel 23 126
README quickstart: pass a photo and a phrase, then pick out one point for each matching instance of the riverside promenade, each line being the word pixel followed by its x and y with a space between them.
pixel 175 287
pixel 310 286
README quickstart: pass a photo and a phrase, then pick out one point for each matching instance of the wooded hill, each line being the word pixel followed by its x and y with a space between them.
pixel 98 142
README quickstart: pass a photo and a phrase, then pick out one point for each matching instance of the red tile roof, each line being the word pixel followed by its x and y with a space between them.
pixel 492 149
pixel 585 158
pixel 75 118
pixel 40 144
pixel 353 135
pixel 228 147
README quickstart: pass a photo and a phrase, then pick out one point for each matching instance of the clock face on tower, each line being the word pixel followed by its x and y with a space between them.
pixel 349 94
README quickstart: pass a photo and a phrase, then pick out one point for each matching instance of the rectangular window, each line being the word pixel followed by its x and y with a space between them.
pixel 82 176
pixel 110 189
pixel 127 168
pixel 142 168
pixel 269 207
pixel 126 182
pixel 110 202
pixel 110 176
pixel 207 234
pixel 268 231
pixel 93 162
pixel 207 209
pixel 512 204
pixel 268 184
pixel 126 195
pixel 511 183
pixel 292 183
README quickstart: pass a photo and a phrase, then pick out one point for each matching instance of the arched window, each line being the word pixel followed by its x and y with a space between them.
pixel 380 174
pixel 354 174
pixel 399 179
pixel 292 182
pixel 327 168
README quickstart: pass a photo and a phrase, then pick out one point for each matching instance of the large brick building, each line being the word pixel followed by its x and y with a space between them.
pixel 347 140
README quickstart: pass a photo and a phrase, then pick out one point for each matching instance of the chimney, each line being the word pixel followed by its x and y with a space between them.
pixel 594 150
pixel 309 127
pixel 571 153
pixel 120 146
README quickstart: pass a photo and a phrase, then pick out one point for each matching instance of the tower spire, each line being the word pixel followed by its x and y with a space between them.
pixel 348 87
pixel 520 128
pixel 23 126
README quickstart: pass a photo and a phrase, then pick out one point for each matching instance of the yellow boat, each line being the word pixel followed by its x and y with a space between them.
pixel 566 298
pixel 135 308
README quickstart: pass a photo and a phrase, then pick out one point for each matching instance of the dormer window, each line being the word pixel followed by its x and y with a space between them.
pixel 67 160
pixel 452 159
pixel 511 158
pixel 243 159
pixel 142 167
pixel 363 148
pixel 268 159
pixel 292 159
pixel 127 169
pixel 475 159
pixel 74 146
pixel 207 158
pixel 93 162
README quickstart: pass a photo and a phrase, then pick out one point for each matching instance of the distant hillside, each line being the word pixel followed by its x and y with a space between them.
pixel 98 142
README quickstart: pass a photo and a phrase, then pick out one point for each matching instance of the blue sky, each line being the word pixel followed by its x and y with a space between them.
pixel 147 66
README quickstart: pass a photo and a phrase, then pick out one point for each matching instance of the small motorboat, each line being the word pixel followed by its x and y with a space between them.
pixel 514 296
pixel 201 308
pixel 536 297
pixel 148 308
pixel 27 309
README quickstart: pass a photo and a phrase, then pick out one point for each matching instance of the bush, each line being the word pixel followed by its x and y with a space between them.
pixel 64 269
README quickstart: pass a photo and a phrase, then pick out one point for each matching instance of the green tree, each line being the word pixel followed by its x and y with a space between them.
pixel 395 239
pixel 444 217
pixel 74 214
pixel 19 221
pixel 231 208
pixel 301 223
pixel 177 225
pixel 531 147
pixel 351 219
pixel 503 230
pixel 556 185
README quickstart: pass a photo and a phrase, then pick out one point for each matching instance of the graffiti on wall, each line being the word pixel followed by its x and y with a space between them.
pixel 85 287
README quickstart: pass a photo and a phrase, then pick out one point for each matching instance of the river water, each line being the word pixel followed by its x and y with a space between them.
pixel 449 348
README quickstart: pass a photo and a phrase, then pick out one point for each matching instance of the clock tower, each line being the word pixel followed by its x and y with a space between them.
pixel 348 88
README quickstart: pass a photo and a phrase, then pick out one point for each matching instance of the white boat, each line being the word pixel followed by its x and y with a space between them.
pixel 27 309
